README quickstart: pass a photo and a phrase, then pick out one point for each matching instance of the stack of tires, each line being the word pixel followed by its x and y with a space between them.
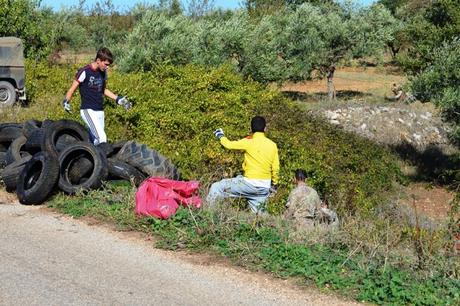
pixel 36 157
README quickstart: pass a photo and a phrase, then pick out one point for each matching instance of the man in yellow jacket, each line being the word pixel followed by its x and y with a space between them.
pixel 261 167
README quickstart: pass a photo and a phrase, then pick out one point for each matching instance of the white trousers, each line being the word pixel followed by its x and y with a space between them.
pixel 95 122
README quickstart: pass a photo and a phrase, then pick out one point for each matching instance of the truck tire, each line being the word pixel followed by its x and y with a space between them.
pixel 37 179
pixel 10 133
pixel 80 169
pixel 2 159
pixel 73 153
pixel 16 151
pixel 30 126
pixel 7 94
pixel 11 173
pixel 35 140
pixel 65 129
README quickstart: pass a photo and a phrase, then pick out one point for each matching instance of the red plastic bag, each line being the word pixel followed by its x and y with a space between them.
pixel 160 197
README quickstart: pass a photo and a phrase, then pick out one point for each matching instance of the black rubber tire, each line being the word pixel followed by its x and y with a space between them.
pixel 4 146
pixel 147 160
pixel 11 124
pixel 2 159
pixel 46 122
pixel 54 131
pixel 80 169
pixel 121 170
pixel 64 141
pixel 10 133
pixel 67 159
pixel 35 140
pixel 38 179
pixel 116 148
pixel 16 151
pixel 106 148
pixel 11 173
pixel 30 126
pixel 7 94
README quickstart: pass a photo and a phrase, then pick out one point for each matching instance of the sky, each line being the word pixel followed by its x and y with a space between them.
pixel 122 5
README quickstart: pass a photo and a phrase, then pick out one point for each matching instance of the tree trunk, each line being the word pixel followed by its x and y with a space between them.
pixel 330 83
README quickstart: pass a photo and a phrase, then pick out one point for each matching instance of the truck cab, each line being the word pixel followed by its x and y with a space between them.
pixel 12 71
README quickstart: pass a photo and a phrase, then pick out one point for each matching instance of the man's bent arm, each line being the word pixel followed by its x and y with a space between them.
pixel 234 145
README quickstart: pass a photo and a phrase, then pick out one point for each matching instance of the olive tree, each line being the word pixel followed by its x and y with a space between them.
pixel 157 38
pixel 221 38
pixel 27 20
pixel 296 42
pixel 440 83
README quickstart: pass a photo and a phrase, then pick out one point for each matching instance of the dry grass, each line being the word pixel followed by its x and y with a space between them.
pixel 371 85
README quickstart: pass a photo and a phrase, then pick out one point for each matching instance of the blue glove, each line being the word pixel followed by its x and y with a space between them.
pixel 219 133
pixel 124 102
pixel 66 104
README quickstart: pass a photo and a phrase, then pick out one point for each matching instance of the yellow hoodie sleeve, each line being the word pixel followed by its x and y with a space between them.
pixel 241 144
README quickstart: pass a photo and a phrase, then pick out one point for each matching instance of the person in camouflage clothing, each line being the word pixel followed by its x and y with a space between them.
pixel 305 207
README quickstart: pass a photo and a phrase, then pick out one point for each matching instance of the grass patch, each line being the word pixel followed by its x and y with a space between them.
pixel 265 244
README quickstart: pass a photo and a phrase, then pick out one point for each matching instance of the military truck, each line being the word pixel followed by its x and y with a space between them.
pixel 12 71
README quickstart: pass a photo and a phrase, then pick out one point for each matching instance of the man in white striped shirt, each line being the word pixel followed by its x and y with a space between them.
pixel 91 81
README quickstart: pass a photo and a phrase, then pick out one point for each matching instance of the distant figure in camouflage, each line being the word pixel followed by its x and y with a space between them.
pixel 400 95
pixel 305 207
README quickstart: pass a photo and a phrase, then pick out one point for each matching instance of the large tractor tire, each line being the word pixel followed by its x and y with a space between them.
pixel 147 160
pixel 68 159
pixel 37 179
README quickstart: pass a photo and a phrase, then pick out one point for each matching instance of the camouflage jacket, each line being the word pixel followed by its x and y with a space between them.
pixel 303 203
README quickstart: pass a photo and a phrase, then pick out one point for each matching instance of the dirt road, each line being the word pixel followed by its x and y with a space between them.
pixel 50 259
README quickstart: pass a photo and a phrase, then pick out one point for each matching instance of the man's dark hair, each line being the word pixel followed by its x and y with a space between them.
pixel 258 124
pixel 300 175
pixel 104 54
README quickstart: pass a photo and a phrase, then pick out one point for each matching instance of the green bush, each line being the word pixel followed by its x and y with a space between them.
pixel 440 83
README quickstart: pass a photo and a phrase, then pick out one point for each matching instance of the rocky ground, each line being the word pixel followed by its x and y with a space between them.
pixel 418 125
